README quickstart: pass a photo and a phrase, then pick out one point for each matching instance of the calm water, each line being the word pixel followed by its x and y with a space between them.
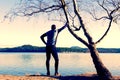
pixel 70 63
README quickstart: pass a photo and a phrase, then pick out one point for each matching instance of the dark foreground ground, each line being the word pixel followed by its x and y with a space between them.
pixel 86 76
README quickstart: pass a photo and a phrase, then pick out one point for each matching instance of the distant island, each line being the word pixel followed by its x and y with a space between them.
pixel 30 48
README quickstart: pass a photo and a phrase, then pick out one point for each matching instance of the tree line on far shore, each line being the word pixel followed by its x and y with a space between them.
pixel 30 48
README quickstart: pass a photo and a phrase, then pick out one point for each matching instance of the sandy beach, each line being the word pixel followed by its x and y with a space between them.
pixel 86 76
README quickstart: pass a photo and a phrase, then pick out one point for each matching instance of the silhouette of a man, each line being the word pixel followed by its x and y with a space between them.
pixel 51 47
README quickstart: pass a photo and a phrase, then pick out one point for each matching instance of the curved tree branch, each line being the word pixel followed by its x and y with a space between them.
pixel 104 5
pixel 105 32
pixel 70 30
pixel 90 40
pixel 111 18
pixel 94 16
pixel 112 14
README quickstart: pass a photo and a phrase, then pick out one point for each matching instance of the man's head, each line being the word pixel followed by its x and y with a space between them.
pixel 53 27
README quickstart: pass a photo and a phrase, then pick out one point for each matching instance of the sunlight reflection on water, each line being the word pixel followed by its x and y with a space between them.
pixel 70 63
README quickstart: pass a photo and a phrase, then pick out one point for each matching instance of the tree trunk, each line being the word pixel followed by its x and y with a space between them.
pixel 102 71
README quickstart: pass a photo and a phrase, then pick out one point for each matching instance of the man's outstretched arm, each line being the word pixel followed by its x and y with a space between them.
pixel 42 38
pixel 63 27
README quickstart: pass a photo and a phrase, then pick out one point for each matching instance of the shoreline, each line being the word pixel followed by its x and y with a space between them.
pixel 85 76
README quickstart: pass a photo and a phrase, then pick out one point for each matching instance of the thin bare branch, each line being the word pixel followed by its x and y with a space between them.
pixel 70 30
pixel 76 28
pixel 112 16
pixel 47 9
pixel 102 5
pixel 31 8
pixel 116 18
pixel 90 40
pixel 103 17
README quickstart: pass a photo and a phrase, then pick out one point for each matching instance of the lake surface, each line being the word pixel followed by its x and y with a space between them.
pixel 70 63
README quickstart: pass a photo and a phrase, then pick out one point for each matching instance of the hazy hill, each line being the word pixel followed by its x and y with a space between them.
pixel 30 48
pixel 24 48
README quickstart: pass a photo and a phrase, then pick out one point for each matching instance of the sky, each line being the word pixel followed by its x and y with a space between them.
pixel 20 31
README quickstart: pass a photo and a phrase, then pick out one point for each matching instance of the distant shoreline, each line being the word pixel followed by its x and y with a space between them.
pixel 30 48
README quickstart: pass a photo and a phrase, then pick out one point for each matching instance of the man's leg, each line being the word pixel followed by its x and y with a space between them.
pixel 48 56
pixel 55 56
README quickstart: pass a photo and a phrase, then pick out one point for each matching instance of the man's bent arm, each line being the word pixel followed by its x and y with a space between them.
pixel 42 38
pixel 63 27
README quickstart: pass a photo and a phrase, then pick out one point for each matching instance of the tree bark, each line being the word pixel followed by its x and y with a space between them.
pixel 102 71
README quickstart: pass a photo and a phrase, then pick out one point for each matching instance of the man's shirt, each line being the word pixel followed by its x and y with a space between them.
pixel 51 37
